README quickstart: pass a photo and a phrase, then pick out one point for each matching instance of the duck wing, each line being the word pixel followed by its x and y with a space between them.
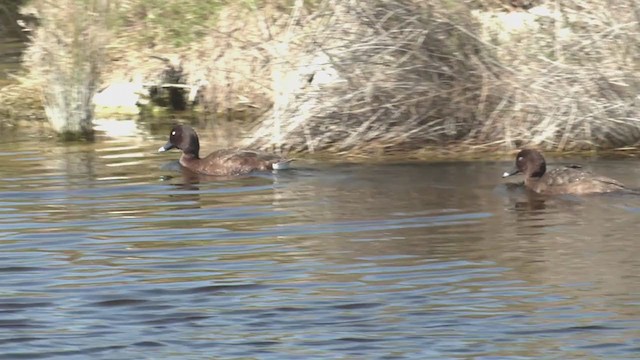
pixel 566 175
pixel 577 180
pixel 241 161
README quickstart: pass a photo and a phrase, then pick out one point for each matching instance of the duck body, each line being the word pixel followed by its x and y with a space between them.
pixel 564 180
pixel 224 162
pixel 572 181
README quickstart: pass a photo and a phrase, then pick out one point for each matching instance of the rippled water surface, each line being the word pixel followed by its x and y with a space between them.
pixel 107 252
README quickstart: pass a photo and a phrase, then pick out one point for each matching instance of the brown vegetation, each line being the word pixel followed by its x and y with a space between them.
pixel 66 55
pixel 396 75
pixel 64 58
pixel 407 75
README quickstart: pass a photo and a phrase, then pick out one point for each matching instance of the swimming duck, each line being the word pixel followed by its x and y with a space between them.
pixel 225 162
pixel 565 180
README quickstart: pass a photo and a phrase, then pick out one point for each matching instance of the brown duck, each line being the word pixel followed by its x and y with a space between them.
pixel 225 162
pixel 565 180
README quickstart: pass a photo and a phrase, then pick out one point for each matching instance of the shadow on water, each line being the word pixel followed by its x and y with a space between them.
pixel 108 249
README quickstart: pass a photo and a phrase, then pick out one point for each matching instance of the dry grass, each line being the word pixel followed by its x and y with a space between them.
pixel 573 81
pixel 363 77
pixel 401 75
pixel 238 61
pixel 65 56
pixel 378 78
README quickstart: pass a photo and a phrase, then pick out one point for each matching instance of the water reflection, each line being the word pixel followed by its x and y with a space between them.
pixel 108 249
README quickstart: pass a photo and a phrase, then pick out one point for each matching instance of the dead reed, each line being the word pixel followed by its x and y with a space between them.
pixel 65 57
pixel 396 75
pixel 367 77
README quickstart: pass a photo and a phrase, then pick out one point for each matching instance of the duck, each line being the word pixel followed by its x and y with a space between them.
pixel 565 180
pixel 224 162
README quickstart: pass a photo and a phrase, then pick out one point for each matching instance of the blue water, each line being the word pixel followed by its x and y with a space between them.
pixel 106 252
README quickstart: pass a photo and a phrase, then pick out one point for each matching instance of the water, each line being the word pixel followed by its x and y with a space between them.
pixel 104 254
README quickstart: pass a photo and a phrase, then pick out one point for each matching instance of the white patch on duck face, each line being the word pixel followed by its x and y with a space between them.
pixel 173 132
pixel 506 174
pixel 520 158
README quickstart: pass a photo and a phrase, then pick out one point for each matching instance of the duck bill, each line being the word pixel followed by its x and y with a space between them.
pixel 512 172
pixel 166 147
